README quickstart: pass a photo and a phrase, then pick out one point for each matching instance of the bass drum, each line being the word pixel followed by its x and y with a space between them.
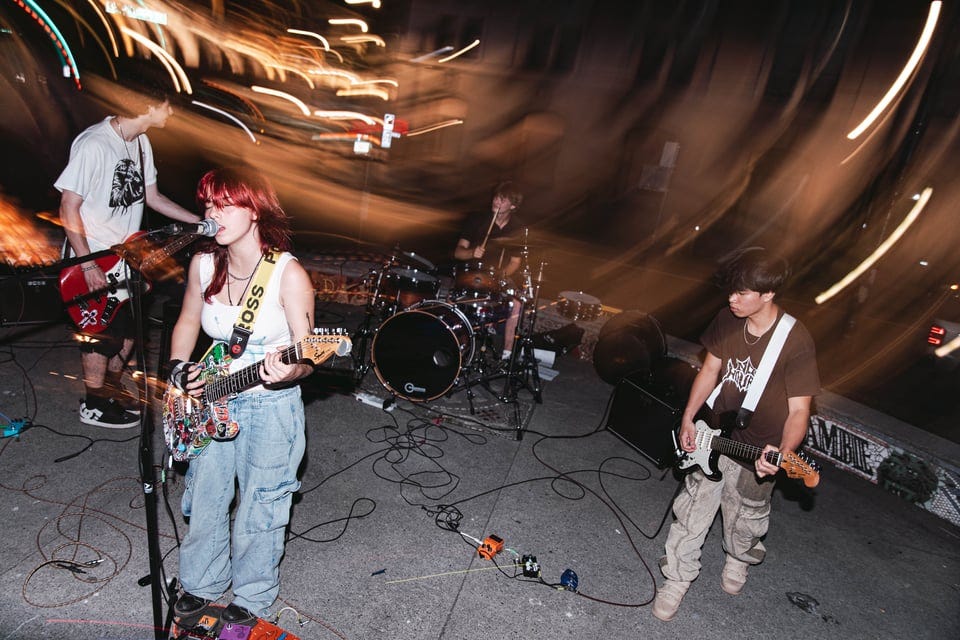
pixel 418 353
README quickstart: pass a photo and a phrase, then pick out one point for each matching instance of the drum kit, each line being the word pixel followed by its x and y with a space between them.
pixel 423 344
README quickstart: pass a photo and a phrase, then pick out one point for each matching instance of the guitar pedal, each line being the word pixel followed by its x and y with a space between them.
pixel 490 547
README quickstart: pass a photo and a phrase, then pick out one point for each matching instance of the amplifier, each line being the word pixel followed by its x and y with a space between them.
pixel 30 300
pixel 647 407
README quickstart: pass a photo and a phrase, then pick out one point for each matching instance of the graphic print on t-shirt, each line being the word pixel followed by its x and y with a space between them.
pixel 740 373
pixel 127 185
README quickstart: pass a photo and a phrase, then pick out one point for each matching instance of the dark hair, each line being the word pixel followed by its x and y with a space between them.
pixel 510 191
pixel 136 101
pixel 752 269
pixel 246 188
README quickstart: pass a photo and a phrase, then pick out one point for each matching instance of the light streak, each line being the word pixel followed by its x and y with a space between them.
pixel 377 40
pixel 312 34
pixel 176 71
pixel 373 3
pixel 345 21
pixel 879 251
pixel 368 91
pixel 106 25
pixel 226 115
pixel 53 32
pixel 434 127
pixel 345 115
pixel 908 69
pixel 336 73
pixel 432 54
pixel 304 109
pixel 250 105
pixel 393 83
pixel 457 54
pixel 287 68
pixel 948 348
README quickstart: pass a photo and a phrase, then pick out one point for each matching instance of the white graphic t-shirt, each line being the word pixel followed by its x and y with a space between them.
pixel 111 175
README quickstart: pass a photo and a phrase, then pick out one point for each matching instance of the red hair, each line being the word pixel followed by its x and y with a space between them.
pixel 248 189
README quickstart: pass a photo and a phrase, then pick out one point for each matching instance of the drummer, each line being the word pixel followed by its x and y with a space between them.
pixel 478 243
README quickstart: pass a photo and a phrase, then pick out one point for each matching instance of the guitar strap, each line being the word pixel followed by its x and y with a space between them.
pixel 250 308
pixel 762 375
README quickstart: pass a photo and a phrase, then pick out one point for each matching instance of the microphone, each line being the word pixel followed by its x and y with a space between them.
pixel 206 227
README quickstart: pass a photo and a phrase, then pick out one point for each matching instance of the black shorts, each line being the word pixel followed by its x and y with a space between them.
pixel 109 342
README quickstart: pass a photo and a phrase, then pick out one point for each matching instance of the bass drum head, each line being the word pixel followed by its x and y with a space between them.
pixel 418 353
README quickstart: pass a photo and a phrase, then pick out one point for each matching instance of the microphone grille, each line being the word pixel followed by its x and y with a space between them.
pixel 208 227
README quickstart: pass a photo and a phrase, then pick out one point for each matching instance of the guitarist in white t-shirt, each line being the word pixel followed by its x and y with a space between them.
pixel 109 178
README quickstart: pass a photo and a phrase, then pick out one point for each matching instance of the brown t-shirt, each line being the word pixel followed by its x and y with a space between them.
pixel 794 374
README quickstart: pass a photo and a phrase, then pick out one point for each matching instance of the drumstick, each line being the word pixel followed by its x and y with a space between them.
pixel 483 244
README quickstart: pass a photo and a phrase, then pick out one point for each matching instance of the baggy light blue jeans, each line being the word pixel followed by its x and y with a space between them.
pixel 744 502
pixel 263 459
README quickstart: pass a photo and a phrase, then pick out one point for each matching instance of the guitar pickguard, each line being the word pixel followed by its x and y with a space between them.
pixel 703 457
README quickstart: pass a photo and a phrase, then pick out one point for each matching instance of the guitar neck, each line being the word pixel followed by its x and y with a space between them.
pixel 245 378
pixel 744 451
pixel 168 250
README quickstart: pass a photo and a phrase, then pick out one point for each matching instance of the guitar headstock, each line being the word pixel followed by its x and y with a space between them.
pixel 325 343
pixel 800 466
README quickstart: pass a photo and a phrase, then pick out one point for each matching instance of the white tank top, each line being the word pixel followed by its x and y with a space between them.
pixel 270 330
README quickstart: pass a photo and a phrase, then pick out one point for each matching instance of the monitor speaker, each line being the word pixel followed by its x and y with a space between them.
pixel 629 342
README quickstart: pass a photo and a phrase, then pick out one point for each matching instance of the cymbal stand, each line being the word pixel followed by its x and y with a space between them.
pixel 523 371
pixel 479 371
pixel 363 336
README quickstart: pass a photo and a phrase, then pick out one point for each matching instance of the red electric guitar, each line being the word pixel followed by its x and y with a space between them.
pixel 93 311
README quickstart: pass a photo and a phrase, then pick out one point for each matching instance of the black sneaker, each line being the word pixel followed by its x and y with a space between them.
pixel 106 413
pixel 127 400
pixel 188 605
pixel 235 614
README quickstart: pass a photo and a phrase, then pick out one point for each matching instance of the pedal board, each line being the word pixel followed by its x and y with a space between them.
pixel 207 625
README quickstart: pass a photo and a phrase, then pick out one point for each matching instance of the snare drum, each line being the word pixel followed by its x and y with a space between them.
pixel 480 308
pixel 418 353
pixel 408 287
pixel 478 277
pixel 577 305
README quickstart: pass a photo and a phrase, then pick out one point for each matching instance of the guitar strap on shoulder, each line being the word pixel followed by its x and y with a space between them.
pixel 762 375
pixel 250 308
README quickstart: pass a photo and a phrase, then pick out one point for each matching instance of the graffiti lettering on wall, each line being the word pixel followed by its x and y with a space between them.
pixel 850 448
pixel 899 472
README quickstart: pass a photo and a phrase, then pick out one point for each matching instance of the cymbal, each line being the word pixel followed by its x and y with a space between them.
pixel 409 257
pixel 518 242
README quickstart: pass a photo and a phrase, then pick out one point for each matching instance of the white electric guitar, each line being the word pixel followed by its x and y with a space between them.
pixel 710 444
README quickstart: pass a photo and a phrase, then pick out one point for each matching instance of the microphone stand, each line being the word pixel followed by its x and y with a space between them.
pixel 147 476
pixel 132 254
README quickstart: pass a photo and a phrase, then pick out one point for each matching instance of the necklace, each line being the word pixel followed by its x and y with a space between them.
pixel 123 138
pixel 236 279
pixel 749 344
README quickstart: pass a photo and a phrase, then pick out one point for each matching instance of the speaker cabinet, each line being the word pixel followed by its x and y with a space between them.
pixel 646 409
pixel 30 300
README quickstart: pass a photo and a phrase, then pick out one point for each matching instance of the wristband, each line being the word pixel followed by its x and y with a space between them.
pixel 179 372
pixel 90 268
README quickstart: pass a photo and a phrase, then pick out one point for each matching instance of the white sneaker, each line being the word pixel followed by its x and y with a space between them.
pixel 668 599
pixel 734 576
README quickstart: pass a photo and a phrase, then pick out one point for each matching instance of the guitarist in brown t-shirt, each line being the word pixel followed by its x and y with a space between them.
pixel 735 342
